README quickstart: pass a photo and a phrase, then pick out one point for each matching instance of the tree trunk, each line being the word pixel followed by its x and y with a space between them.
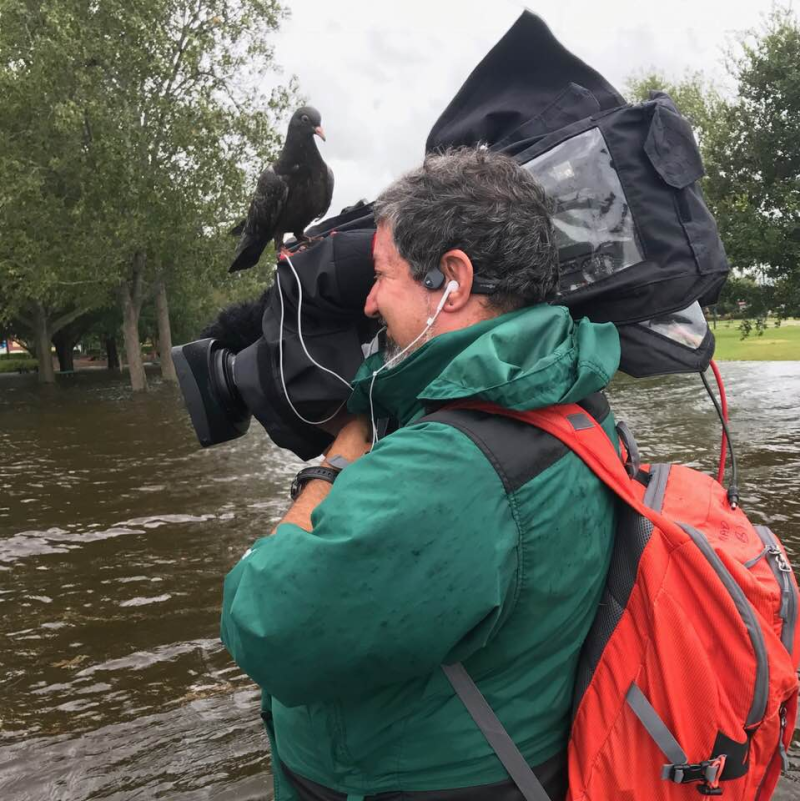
pixel 164 334
pixel 112 356
pixel 131 300
pixel 66 364
pixel 64 347
pixel 42 339
pixel 67 330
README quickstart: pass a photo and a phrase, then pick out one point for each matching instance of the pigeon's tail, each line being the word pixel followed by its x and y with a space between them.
pixel 248 252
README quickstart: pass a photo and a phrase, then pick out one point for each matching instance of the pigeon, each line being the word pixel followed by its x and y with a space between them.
pixel 290 193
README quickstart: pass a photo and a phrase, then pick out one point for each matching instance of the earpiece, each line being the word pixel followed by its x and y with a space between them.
pixel 451 287
pixel 433 279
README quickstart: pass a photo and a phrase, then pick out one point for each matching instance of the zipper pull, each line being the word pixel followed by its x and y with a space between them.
pixel 780 559
pixel 781 747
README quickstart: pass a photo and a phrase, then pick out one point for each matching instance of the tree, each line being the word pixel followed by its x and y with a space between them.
pixel 103 335
pixel 754 163
pixel 47 253
pixel 128 135
pixel 751 151
pixel 173 100
pixel 694 95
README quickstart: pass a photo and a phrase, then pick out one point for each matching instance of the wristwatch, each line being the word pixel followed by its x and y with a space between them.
pixel 337 464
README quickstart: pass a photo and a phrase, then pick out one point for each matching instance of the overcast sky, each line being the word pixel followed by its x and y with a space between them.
pixel 382 72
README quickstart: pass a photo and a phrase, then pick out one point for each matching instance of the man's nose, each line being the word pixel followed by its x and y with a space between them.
pixel 371 303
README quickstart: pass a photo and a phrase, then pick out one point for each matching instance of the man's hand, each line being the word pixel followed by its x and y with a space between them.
pixel 353 441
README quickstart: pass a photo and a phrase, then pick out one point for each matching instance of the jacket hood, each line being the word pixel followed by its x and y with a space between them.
pixel 527 359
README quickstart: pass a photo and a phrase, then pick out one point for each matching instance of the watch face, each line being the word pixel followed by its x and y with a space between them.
pixel 339 462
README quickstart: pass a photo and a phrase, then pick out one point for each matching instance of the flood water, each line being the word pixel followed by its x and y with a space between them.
pixel 116 530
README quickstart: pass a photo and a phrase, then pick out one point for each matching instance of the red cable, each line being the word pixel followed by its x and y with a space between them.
pixel 724 404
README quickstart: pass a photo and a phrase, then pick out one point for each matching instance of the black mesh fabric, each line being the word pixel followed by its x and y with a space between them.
pixel 633 534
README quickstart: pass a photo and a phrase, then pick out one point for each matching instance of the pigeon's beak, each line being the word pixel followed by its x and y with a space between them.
pixel 320 133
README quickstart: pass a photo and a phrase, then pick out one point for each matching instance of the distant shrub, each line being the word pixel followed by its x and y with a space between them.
pixel 18 363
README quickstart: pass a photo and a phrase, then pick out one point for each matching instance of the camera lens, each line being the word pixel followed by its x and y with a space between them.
pixel 206 375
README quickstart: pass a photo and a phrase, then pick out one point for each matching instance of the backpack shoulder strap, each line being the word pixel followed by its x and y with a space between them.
pixel 516 450
pixel 582 434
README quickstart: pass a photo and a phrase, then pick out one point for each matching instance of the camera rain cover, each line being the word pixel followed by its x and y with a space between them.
pixel 636 240
pixel 329 284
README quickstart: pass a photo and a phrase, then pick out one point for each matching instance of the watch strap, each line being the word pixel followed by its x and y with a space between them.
pixel 311 473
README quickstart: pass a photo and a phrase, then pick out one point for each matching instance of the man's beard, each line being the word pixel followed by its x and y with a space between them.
pixel 393 353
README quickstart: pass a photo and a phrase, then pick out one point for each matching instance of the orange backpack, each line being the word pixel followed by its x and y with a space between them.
pixel 688 677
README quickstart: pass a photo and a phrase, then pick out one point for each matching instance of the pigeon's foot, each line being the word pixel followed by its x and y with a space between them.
pixel 283 253
pixel 307 241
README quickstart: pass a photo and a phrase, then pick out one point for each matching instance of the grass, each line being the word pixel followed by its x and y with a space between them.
pixel 774 345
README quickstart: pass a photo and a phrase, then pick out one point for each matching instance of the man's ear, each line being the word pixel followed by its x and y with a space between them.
pixel 457 266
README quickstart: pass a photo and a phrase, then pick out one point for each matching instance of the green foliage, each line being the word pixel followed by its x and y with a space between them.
pixel 696 98
pixel 743 296
pixel 751 150
pixel 754 160
pixel 124 128
pixel 18 363
pixel 46 244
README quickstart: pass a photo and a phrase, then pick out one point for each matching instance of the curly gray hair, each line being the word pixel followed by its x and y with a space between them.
pixel 482 203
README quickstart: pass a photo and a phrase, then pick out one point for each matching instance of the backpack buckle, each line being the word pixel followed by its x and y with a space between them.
pixel 708 773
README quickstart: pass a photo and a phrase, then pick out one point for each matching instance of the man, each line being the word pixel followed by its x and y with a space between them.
pixel 461 536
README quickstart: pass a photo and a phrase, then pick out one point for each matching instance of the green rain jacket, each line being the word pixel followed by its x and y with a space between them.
pixel 421 556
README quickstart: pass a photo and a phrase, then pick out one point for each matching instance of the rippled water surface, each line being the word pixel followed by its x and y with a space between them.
pixel 116 531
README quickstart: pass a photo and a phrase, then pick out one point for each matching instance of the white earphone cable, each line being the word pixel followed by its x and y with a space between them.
pixel 280 356
pixel 300 325
pixel 452 286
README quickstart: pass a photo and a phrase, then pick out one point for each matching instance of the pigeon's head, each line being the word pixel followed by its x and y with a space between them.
pixel 307 121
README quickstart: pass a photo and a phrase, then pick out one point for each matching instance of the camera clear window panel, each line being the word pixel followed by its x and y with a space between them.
pixel 687 327
pixel 594 228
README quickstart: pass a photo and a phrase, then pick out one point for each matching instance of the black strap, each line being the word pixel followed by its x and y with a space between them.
pixel 310 473
pixel 632 463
